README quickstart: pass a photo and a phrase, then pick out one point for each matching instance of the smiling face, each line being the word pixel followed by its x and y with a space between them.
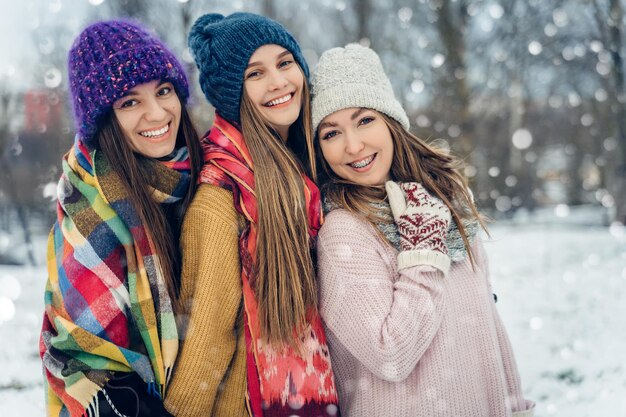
pixel 356 143
pixel 273 82
pixel 149 116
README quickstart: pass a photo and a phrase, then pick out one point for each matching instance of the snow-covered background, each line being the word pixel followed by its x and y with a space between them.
pixel 561 292
pixel 530 93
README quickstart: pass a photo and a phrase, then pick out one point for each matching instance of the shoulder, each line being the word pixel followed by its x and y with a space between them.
pixel 211 200
pixel 345 231
pixel 341 222
pixel 212 207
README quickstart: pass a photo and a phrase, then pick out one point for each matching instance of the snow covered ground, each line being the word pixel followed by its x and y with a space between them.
pixel 561 292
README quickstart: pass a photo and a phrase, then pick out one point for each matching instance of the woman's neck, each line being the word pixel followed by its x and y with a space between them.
pixel 283 132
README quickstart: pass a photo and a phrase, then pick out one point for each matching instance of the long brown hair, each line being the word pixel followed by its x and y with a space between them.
pixel 284 275
pixel 413 160
pixel 135 171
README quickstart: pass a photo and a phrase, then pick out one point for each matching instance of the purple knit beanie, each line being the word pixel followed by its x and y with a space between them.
pixel 110 58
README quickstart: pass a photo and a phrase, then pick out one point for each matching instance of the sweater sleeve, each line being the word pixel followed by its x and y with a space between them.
pixel 211 295
pixel 385 320
pixel 519 405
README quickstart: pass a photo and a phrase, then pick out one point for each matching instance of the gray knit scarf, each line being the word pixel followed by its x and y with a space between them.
pixel 456 247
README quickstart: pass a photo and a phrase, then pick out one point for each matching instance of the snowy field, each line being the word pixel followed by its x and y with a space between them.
pixel 561 292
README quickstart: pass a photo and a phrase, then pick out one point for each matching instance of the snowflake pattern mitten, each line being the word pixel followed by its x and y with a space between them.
pixel 423 222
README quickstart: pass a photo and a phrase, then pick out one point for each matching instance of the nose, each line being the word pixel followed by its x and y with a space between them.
pixel 277 80
pixel 353 143
pixel 155 112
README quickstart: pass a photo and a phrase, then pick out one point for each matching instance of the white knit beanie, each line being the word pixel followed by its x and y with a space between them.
pixel 352 77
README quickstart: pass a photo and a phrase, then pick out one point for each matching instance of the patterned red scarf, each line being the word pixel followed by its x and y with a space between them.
pixel 280 382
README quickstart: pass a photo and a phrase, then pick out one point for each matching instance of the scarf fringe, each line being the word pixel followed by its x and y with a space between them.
pixel 93 409
pixel 153 390
pixel 168 375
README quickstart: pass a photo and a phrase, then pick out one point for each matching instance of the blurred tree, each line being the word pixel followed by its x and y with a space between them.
pixel 610 20
pixel 474 74
pixel 8 103
pixel 268 8
pixel 451 23
pixel 363 11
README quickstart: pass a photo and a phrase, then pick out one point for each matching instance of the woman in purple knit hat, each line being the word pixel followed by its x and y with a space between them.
pixel 109 338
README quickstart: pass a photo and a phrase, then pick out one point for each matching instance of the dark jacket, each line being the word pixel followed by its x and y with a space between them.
pixel 127 395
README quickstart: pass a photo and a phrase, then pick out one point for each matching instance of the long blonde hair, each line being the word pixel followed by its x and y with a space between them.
pixel 284 275
pixel 413 160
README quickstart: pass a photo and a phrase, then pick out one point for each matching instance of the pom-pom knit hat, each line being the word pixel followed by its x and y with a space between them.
pixel 352 77
pixel 222 46
pixel 110 58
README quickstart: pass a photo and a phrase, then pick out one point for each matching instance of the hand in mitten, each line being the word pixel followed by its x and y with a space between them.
pixel 422 222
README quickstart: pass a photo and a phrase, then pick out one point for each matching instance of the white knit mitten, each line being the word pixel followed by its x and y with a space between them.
pixel 422 222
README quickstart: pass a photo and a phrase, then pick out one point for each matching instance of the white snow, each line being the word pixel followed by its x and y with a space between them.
pixel 561 293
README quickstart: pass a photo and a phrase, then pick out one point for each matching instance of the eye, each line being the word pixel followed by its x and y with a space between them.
pixel 330 134
pixel 163 91
pixel 128 103
pixel 285 63
pixel 253 74
pixel 366 120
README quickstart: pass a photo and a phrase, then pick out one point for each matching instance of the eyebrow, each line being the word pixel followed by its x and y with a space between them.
pixel 358 113
pixel 133 92
pixel 282 54
pixel 354 115
pixel 326 124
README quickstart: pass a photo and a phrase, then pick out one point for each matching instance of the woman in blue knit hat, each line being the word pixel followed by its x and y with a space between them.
pixel 254 342
pixel 109 338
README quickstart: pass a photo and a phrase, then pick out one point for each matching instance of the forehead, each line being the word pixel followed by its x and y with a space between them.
pixel 267 53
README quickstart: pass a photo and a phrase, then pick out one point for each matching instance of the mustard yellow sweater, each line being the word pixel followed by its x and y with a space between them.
pixel 209 378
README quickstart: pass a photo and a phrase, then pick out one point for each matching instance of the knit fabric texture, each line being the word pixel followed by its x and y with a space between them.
pixel 387 226
pixel 411 342
pixel 352 77
pixel 210 374
pixel 222 47
pixel 280 379
pixel 110 58
pixel 107 308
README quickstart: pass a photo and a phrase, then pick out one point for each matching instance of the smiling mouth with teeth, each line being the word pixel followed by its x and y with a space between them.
pixel 155 133
pixel 279 100
pixel 363 162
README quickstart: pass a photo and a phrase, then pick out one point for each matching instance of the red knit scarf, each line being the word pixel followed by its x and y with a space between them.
pixel 280 381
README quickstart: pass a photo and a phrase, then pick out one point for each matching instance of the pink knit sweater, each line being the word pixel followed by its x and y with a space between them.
pixel 413 343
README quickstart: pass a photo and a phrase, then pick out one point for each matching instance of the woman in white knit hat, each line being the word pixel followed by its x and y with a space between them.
pixel 404 284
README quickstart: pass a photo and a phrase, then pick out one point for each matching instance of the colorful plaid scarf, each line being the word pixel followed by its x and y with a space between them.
pixel 107 308
pixel 279 381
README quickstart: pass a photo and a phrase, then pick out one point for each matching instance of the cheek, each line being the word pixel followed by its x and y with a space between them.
pixel 126 122
pixel 176 110
pixel 332 153
pixel 252 91
pixel 298 79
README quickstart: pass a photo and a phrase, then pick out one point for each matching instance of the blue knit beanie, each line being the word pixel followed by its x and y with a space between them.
pixel 110 58
pixel 222 47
